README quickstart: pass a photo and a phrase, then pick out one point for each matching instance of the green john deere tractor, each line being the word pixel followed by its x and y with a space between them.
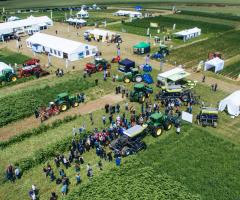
pixel 64 101
pixel 140 93
pixel 7 73
pixel 159 122
pixel 133 76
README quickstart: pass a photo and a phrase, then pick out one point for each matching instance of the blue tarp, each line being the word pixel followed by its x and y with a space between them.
pixel 138 8
pixel 147 68
pixel 147 78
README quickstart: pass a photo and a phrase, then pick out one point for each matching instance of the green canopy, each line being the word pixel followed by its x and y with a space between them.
pixel 141 45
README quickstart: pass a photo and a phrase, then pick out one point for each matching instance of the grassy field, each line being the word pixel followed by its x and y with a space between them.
pixel 10 57
pixel 191 55
pixel 175 186
pixel 232 71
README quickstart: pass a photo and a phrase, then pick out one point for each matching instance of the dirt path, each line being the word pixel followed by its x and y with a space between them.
pixel 29 123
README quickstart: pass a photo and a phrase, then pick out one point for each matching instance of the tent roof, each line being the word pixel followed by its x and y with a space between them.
pixel 25 22
pixel 174 74
pixel 101 32
pixel 232 102
pixel 215 61
pixel 58 43
pixel 127 62
pixel 126 12
pixel 187 32
pixel 142 45
pixel 82 12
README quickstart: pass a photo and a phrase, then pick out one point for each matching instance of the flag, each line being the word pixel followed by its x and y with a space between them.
pixel 154 25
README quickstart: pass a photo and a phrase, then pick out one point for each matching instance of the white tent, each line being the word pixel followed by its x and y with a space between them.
pixel 24 24
pixel 100 34
pixel 82 14
pixel 13 18
pixel 231 103
pixel 173 74
pixel 60 47
pixel 188 33
pixel 215 63
pixel 128 13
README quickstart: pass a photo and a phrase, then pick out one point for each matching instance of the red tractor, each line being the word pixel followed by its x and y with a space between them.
pixel 32 70
pixel 212 55
pixel 116 59
pixel 32 61
pixel 98 66
pixel 46 113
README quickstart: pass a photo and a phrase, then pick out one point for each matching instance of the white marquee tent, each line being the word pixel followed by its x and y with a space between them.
pixel 231 103
pixel 60 47
pixel 76 21
pixel 100 34
pixel 128 13
pixel 215 63
pixel 188 33
pixel 82 14
pixel 20 26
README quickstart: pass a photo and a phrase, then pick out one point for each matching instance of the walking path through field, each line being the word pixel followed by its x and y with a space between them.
pixel 31 122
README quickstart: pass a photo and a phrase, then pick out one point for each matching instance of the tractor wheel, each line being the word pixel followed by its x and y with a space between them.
pixel 13 78
pixel 126 80
pixel 158 131
pixel 75 104
pixel 63 107
pixel 142 99
pixel 167 126
pixel 138 79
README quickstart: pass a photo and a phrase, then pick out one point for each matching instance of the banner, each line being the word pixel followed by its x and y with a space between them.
pixel 187 117
pixel 154 25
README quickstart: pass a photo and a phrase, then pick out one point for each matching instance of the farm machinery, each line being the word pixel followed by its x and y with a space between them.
pixel 212 55
pixel 132 76
pixel 162 53
pixel 175 92
pixel 62 103
pixel 32 70
pixel 7 73
pixel 99 65
pixel 131 140
pixel 140 93
pixel 159 122
pixel 208 117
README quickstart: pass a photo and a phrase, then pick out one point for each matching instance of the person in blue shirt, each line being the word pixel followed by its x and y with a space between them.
pixel 78 179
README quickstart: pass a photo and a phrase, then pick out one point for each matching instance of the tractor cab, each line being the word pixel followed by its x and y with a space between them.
pixel 208 116
pixel 159 122
pixel 140 93
pixel 7 73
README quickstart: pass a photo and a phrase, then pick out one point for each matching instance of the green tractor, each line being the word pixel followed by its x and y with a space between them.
pixel 7 73
pixel 162 53
pixel 64 101
pixel 132 76
pixel 140 93
pixel 159 122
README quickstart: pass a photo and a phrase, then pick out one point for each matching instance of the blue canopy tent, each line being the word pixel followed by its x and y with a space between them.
pixel 126 65
pixel 138 8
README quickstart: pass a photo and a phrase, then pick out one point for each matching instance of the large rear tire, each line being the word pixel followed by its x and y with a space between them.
pixel 138 79
pixel 63 107
pixel 126 80
pixel 167 126
pixel 158 131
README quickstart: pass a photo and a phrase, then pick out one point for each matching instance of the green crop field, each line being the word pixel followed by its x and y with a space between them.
pixel 10 57
pixel 232 71
pixel 227 44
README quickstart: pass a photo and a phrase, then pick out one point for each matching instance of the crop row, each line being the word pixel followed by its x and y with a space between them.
pixel 227 44
pixel 232 71
pixel 18 106
pixel 168 22
pixel 36 131
pixel 212 15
